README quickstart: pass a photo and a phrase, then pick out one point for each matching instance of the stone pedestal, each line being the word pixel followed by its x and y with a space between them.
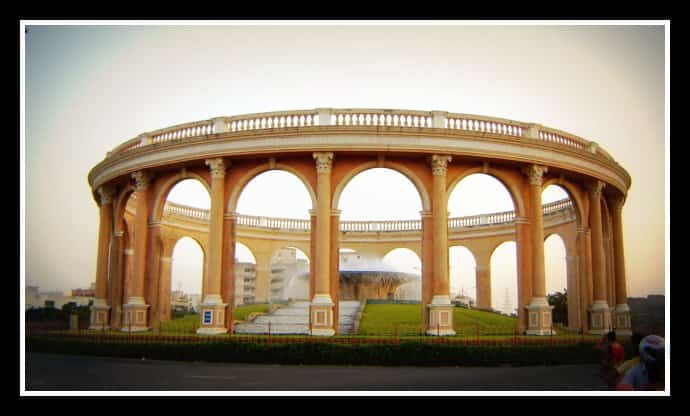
pixel 134 315
pixel 621 320
pixel 600 318
pixel 539 318
pixel 212 316
pixel 440 316
pixel 322 315
pixel 99 315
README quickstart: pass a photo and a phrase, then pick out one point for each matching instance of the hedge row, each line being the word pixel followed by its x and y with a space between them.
pixel 405 353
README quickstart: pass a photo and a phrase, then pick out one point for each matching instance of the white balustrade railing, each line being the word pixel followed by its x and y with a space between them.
pixel 497 218
pixel 555 136
pixel 274 223
pixel 186 211
pixel 470 122
pixel 277 120
pixel 358 118
pixel 203 128
pixel 385 118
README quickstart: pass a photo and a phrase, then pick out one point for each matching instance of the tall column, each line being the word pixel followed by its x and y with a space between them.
pixel 228 267
pixel 584 277
pixel 571 262
pixel 335 266
pixel 212 308
pixel 262 282
pixel 135 309
pixel 483 282
pixel 152 291
pixel 524 269
pixel 600 314
pixel 322 304
pixel 99 309
pixel 165 279
pixel 539 310
pixel 427 264
pixel 312 254
pixel 440 308
pixel 116 272
pixel 622 322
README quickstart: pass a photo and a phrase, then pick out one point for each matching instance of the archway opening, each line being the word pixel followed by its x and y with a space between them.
pixel 471 205
pixel 375 200
pixel 558 208
pixel 245 275
pixel 462 271
pixel 372 197
pixel 504 282
pixel 275 194
pixel 555 268
pixel 266 201
pixel 186 275
pixel 187 198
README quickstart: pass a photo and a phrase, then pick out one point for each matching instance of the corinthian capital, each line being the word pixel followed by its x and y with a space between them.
pixel 595 188
pixel 535 174
pixel 217 167
pixel 105 194
pixel 439 164
pixel 324 162
pixel 141 179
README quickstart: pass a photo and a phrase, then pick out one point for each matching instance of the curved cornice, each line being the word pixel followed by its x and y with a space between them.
pixel 530 144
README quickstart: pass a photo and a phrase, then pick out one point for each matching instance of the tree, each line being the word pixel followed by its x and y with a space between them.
pixel 559 301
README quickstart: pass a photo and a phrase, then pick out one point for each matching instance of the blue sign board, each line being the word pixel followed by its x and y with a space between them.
pixel 207 316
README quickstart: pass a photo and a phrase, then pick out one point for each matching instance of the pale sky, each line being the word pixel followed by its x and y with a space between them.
pixel 89 88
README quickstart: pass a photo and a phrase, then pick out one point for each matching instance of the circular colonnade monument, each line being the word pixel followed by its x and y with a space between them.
pixel 325 148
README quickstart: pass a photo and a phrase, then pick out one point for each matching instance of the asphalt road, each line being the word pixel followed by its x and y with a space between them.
pixel 69 373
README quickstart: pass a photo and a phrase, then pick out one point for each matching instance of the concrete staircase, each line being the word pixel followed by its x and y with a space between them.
pixel 294 319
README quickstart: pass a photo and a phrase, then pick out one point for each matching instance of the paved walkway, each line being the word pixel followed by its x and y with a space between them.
pixel 63 372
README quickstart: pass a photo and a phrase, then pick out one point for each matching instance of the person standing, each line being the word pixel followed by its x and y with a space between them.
pixel 649 373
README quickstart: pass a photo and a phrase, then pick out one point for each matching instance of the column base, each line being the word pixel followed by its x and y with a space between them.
pixel 212 312
pixel 99 315
pixel 440 316
pixel 600 318
pixel 621 320
pixel 539 317
pixel 135 315
pixel 322 315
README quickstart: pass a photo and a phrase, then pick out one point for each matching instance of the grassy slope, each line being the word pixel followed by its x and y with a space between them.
pixel 189 323
pixel 380 319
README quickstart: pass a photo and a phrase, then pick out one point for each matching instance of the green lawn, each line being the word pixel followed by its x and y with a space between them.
pixel 189 323
pixel 406 320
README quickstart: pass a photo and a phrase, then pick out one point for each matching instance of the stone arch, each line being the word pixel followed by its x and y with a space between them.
pixel 567 249
pixel 291 245
pixel 415 250
pixel 514 281
pixel 507 182
pixel 568 243
pixel 256 171
pixel 252 250
pixel 574 194
pixel 475 259
pixel 176 239
pixel 398 167
pixel 167 185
